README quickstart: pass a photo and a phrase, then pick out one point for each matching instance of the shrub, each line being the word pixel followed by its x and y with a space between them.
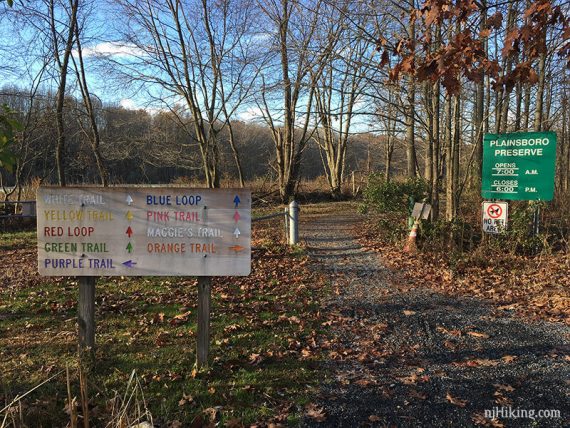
pixel 519 237
pixel 392 196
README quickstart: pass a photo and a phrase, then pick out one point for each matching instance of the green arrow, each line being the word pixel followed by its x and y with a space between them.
pixel 130 248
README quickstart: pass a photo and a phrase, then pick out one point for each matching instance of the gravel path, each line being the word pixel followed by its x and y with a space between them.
pixel 413 357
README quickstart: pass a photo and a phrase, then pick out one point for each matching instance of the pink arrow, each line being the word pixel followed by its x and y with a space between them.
pixel 236 216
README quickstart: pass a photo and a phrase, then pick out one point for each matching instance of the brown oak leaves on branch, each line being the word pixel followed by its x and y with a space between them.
pixel 460 52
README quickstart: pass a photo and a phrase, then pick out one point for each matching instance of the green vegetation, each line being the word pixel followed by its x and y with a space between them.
pixel 389 196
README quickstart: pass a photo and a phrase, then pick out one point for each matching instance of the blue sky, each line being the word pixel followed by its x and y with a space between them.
pixel 102 39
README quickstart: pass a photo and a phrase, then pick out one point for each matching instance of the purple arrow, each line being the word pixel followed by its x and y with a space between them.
pixel 129 263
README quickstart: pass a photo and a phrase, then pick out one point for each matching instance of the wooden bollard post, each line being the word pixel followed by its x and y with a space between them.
pixel 204 301
pixel 86 311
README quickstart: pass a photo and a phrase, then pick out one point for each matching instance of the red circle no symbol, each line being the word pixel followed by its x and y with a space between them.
pixel 494 211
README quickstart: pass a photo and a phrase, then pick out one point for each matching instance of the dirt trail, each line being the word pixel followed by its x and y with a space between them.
pixel 408 356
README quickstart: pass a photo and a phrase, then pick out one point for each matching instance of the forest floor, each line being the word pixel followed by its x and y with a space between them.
pixel 263 354
pixel 402 353
pixel 343 330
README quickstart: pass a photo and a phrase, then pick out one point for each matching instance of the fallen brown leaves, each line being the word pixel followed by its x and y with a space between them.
pixel 535 287
pixel 480 419
pixel 318 414
pixel 484 362
pixel 455 401
pixel 19 269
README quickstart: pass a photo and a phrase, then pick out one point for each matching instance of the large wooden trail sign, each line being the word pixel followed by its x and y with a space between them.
pixel 143 231
pixel 135 231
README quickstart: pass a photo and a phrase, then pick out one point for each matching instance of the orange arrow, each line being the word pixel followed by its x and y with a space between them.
pixel 237 248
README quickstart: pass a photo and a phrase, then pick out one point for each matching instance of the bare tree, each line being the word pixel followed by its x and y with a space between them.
pixel 298 56
pixel 197 53
pixel 90 109
pixel 339 87
pixel 47 30
pixel 63 33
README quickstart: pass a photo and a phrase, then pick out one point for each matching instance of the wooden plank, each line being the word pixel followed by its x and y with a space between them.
pixel 204 302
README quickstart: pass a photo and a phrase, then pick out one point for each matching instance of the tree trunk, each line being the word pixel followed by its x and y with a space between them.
pixel 478 127
pixel 410 129
pixel 87 101
pixel 506 92
pixel 235 153
pixel 448 159
pixel 456 153
pixel 565 144
pixel 430 133
pixel 436 152
pixel 410 116
pixel 538 112
pixel 60 96
pixel 389 149
pixel 452 182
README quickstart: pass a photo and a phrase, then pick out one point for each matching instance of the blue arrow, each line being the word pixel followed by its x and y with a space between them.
pixel 129 263
pixel 237 201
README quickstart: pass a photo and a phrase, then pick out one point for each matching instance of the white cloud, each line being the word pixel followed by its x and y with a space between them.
pixel 128 104
pixel 113 49
pixel 251 114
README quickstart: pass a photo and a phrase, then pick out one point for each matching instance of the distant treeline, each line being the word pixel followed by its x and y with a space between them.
pixel 138 146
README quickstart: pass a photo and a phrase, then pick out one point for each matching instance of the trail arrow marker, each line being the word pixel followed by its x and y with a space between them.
pixel 237 248
pixel 237 233
pixel 129 263
pixel 130 248
pixel 129 215
pixel 129 231
pixel 236 216
pixel 129 200
pixel 237 200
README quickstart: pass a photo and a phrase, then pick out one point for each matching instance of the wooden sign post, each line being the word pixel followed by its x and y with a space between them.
pixel 204 302
pixel 143 231
pixel 86 311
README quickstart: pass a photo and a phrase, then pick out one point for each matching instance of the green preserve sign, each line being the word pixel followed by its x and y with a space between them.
pixel 519 166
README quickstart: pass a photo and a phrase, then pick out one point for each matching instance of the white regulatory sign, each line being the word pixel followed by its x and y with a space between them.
pixel 495 216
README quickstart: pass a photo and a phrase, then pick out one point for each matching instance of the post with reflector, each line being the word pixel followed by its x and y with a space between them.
pixel 293 223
